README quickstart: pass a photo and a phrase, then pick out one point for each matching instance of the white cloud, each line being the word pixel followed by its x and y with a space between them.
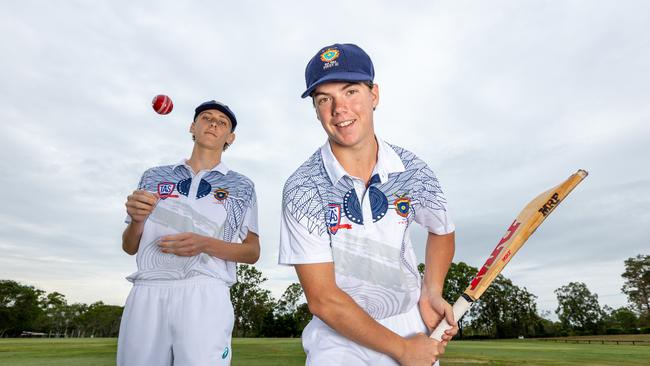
pixel 502 99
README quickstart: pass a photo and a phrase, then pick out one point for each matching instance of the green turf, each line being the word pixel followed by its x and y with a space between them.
pixel 58 352
pixel 267 352
pixel 101 352
pixel 533 352
pixel 288 352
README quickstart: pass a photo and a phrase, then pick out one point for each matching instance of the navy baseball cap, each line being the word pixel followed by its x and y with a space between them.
pixel 213 104
pixel 338 62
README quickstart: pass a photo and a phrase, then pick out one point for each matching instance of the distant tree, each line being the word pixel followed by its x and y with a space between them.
pixel 290 316
pixel 302 317
pixel 637 284
pixel 458 278
pixel 288 302
pixel 578 308
pixel 621 320
pixel 54 299
pixel 253 305
pixel 627 319
pixel 546 327
pixel 100 320
pixel 24 308
pixel 77 323
pixel 505 310
pixel 57 314
pixel 278 320
pixel 19 308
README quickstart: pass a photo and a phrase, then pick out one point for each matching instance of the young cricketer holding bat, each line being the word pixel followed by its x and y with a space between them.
pixel 345 229
pixel 189 224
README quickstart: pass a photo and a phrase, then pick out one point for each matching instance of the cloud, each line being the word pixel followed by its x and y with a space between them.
pixel 503 100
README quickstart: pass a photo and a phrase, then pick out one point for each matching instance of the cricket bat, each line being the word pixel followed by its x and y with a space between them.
pixel 521 228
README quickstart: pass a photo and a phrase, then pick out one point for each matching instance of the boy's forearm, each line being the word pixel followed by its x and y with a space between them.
pixel 439 254
pixel 246 252
pixel 131 237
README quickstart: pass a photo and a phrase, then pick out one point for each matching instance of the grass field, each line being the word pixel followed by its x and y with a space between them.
pixel 288 352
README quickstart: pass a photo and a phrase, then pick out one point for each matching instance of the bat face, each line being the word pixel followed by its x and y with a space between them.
pixel 550 204
pixel 496 253
pixel 521 228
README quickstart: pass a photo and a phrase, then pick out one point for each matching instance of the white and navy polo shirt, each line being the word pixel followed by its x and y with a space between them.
pixel 218 203
pixel 330 216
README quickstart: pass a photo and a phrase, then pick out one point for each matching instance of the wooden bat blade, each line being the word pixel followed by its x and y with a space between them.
pixel 524 225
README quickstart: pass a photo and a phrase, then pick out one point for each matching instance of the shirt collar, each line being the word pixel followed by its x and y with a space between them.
pixel 221 167
pixel 332 166
pixel 387 162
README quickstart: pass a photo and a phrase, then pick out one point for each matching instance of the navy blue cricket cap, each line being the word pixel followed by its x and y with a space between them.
pixel 213 104
pixel 338 62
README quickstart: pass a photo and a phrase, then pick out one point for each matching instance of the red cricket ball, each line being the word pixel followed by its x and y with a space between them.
pixel 162 104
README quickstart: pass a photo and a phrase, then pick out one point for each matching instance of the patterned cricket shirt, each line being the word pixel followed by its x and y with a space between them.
pixel 218 203
pixel 330 216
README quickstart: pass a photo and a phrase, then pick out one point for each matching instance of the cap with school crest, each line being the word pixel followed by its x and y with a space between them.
pixel 338 62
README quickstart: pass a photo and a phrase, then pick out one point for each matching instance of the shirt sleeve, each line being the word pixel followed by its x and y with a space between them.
pixel 299 246
pixel 250 222
pixel 431 211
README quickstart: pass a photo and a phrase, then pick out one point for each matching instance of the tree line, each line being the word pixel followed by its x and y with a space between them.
pixel 504 311
pixel 28 311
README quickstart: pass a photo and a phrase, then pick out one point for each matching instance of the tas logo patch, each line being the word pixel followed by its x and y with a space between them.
pixel 166 190
pixel 334 218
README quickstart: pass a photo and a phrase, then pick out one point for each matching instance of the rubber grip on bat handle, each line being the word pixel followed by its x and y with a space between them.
pixel 460 308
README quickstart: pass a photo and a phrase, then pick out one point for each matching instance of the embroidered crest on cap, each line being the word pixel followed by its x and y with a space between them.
pixel 166 190
pixel 329 55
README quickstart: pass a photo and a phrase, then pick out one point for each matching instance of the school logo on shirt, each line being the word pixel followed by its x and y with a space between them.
pixel 220 194
pixel 334 218
pixel 166 190
pixel 402 206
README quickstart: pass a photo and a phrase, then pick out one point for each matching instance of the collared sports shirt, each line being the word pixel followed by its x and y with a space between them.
pixel 218 203
pixel 330 216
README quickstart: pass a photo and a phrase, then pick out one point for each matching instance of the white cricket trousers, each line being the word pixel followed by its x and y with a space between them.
pixel 176 322
pixel 326 347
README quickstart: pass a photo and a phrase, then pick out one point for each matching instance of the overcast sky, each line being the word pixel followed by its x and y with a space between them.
pixel 503 99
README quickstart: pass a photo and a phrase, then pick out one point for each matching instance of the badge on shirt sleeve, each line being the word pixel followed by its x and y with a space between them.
pixel 166 190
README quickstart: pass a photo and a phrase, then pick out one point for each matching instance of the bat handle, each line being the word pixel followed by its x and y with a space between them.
pixel 460 308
